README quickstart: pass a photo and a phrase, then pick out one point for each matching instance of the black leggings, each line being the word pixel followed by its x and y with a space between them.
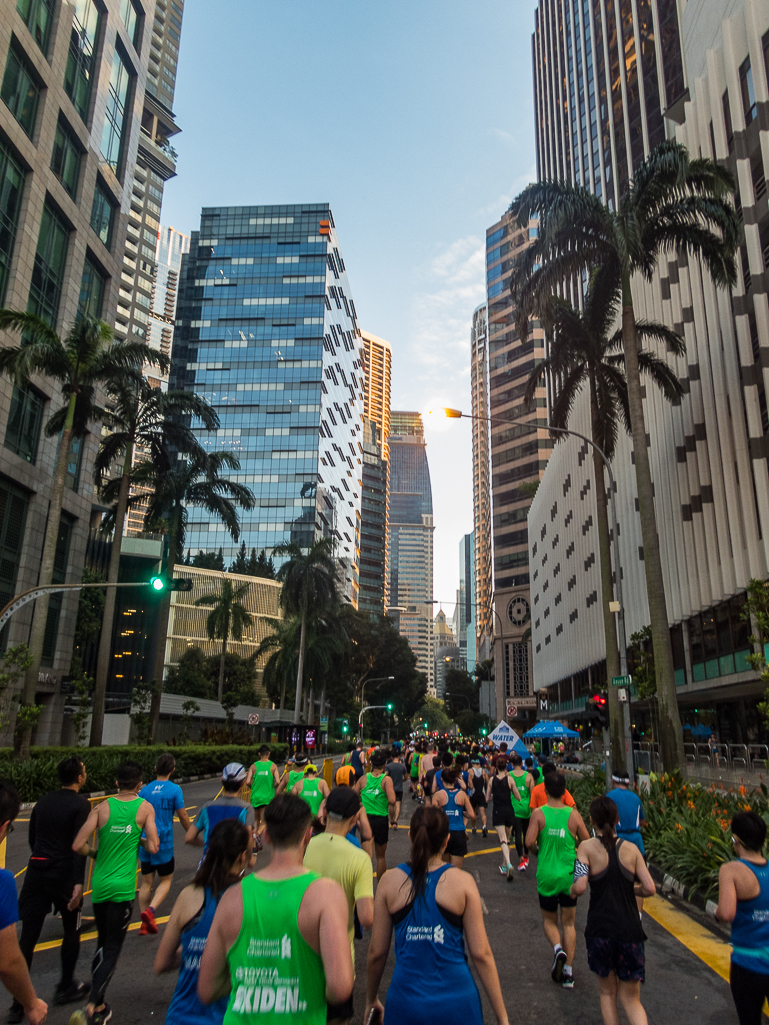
pixel 521 828
pixel 39 893
pixel 749 990
pixel 112 920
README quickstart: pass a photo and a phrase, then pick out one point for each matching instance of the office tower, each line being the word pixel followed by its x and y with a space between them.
pixel 373 524
pixel 466 604
pixel 267 332
pixel 519 456
pixel 446 652
pixel 72 88
pixel 410 549
pixel 171 246
pixel 376 401
pixel 479 384
pixel 708 454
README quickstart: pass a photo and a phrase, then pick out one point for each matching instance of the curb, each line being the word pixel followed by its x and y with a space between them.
pixel 107 793
pixel 690 895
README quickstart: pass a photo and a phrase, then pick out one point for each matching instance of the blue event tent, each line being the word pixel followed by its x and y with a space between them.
pixel 549 730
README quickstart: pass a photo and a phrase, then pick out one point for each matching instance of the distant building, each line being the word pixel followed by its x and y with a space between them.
pixel 465 610
pixel 376 396
pixel 447 654
pixel 171 246
pixel 484 578
pixel 373 524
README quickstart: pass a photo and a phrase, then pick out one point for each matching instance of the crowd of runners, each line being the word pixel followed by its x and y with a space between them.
pixel 277 942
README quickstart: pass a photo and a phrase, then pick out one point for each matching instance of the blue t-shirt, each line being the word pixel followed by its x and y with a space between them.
pixel 166 798
pixel 9 902
pixel 631 815
pixel 228 806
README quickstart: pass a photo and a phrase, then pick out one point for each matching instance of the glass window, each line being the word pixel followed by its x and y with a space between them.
pixel 72 478
pixel 728 120
pixel 48 270
pixel 13 514
pixel 92 288
pixel 20 91
pixel 80 60
pixel 65 162
pixel 102 214
pixel 130 19
pixel 11 185
pixel 114 122
pixel 748 92
pixel 38 16
pixel 22 434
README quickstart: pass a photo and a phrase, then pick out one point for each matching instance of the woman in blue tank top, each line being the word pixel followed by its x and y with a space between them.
pixel 743 900
pixel 456 804
pixel 433 909
pixel 228 856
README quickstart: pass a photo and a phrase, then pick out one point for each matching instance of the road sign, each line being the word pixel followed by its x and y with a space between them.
pixel 253 719
pixel 621 681
pixel 324 723
pixel 511 711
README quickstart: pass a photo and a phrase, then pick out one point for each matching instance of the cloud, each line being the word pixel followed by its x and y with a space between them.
pixel 502 136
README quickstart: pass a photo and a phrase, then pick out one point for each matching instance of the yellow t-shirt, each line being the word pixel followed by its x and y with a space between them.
pixel 334 857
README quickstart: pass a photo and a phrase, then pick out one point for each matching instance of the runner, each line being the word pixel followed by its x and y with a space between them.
pixel 55 876
pixel 434 910
pixel 539 794
pixel 502 788
pixel 228 857
pixel 743 900
pixel 396 770
pixel 264 779
pixel 614 934
pixel 15 973
pixel 356 760
pixel 525 784
pixel 291 777
pixel 555 827
pixel 285 925
pixel 430 768
pixel 532 767
pixel 413 765
pixel 330 855
pixel 345 775
pixel 456 804
pixel 311 789
pixel 166 798
pixel 479 780
pixel 378 796
pixel 227 805
pixel 123 823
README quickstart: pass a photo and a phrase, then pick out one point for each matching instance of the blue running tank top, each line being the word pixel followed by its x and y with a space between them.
pixel 750 928
pixel 429 951
pixel 185 1007
pixel 454 812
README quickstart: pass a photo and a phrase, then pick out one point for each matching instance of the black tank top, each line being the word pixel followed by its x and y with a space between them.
pixel 613 912
pixel 500 790
pixel 478 785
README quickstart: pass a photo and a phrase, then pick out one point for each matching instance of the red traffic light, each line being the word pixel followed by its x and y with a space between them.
pixel 599 699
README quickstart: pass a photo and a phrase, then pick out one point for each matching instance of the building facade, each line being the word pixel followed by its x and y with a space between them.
pixel 447 654
pixel 410 549
pixel 466 605
pixel 373 524
pixel 484 578
pixel 171 246
pixel 267 332
pixel 376 396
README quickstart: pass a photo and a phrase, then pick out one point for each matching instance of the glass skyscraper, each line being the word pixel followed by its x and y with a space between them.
pixel 267 332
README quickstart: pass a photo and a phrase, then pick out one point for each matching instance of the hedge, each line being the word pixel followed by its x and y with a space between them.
pixel 37 775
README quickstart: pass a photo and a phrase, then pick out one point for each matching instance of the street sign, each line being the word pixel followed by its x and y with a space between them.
pixel 324 723
pixel 253 719
pixel 622 694
pixel 512 711
pixel 621 681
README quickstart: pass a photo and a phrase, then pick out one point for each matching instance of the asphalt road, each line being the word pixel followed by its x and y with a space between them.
pixel 680 987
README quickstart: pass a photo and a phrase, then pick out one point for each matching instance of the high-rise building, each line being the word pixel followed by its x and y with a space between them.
pixel 373 524
pixel 708 454
pixel 73 81
pixel 466 604
pixel 483 583
pixel 376 396
pixel 267 332
pixel 410 549
pixel 447 655
pixel 172 245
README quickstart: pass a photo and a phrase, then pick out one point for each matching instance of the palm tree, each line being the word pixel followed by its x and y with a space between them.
pixel 585 352
pixel 673 204
pixel 227 617
pixel 80 364
pixel 150 420
pixel 309 586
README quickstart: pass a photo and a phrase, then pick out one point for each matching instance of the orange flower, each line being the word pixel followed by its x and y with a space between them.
pixel 742 791
pixel 679 827
pixel 690 803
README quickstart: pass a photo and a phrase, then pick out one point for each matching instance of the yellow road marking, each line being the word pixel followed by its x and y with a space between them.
pixel 53 944
pixel 489 850
pixel 716 953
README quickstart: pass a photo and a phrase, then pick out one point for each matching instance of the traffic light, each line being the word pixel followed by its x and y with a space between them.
pixel 345 726
pixel 484 731
pixel 598 705
pixel 390 706
pixel 161 584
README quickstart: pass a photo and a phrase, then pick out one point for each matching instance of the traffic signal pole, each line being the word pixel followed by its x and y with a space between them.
pixel 25 597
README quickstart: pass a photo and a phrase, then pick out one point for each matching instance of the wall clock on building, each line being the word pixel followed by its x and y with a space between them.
pixel 518 611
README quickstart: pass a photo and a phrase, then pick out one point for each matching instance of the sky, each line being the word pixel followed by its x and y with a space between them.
pixel 414 119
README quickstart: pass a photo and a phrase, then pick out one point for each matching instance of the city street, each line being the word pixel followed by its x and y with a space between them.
pixel 681 987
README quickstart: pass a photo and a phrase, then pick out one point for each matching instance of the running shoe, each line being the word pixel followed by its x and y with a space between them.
pixel 510 873
pixel 568 978
pixel 474 830
pixel 148 919
pixel 523 864
pixel 556 972
pixel 97 1018
pixel 503 869
pixel 75 991
pixel 485 832
pixel 15 1014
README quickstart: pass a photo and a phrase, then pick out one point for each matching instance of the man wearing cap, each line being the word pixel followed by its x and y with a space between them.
pixel 226 806
pixel 291 777
pixel 331 855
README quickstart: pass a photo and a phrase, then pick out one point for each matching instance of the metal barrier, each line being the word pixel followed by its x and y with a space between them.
pixel 328 771
pixel 690 753
pixel 720 756
pixel 739 756
pixel 703 755
pixel 757 753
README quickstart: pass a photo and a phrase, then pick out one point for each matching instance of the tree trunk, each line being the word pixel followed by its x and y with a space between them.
pixel 222 660
pixel 282 695
pixel 22 739
pixel 108 616
pixel 671 738
pixel 616 730
pixel 323 701
pixel 299 671
pixel 311 706
pixel 164 614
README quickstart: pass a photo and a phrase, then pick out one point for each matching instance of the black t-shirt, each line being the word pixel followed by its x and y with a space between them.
pixel 396 771
pixel 53 825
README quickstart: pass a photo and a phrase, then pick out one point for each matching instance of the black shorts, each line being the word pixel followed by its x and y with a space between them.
pixel 339 1012
pixel 148 869
pixel 626 960
pixel 457 845
pixel 504 815
pixel 552 902
pixel 380 827
pixel 478 800
pixel 398 795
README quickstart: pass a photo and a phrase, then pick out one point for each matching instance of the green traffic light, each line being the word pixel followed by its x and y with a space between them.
pixel 390 707
pixel 157 584
pixel 483 733
pixel 344 729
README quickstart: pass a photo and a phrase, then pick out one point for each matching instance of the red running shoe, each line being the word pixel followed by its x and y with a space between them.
pixel 149 924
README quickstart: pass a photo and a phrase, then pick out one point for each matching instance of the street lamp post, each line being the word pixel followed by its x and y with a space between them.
pixel 374 679
pixel 367 708
pixel 620 611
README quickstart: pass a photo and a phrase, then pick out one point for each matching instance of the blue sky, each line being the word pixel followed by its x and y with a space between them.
pixel 414 120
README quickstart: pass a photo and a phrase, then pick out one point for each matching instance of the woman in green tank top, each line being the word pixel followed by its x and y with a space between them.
pixel 378 796
pixel 312 789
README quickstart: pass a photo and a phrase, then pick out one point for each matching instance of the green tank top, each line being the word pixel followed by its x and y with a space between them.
pixel 114 871
pixel 293 778
pixel 276 976
pixel 374 796
pixel 521 808
pixel 262 784
pixel 312 795
pixel 414 769
pixel 557 853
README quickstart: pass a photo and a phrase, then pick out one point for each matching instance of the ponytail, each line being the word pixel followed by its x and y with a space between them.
pixel 428 830
pixel 228 840
pixel 605 816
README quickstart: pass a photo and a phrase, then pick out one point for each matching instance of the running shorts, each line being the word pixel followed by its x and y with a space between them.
pixel 626 960
pixel 340 1012
pixel 380 828
pixel 398 795
pixel 166 869
pixel 457 845
pixel 504 815
pixel 552 902
pixel 478 800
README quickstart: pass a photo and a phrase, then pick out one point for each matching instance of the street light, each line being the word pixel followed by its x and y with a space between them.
pixel 455 696
pixel 367 708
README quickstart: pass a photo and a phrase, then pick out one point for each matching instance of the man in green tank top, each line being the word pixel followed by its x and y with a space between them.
pixel 312 789
pixel 278 943
pixel 119 822
pixel 556 828
pixel 292 775
pixel 525 783
pixel 264 779
pixel 378 796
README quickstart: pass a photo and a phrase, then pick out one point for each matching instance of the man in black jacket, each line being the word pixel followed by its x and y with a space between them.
pixel 55 877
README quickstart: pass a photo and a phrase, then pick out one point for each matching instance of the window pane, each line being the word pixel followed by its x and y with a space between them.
pixel 74 461
pixel 130 20
pixel 38 15
pixel 80 62
pixel 11 185
pixel 102 215
pixel 92 286
pixel 114 122
pixel 48 270
pixel 19 91
pixel 748 92
pixel 22 434
pixel 65 162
